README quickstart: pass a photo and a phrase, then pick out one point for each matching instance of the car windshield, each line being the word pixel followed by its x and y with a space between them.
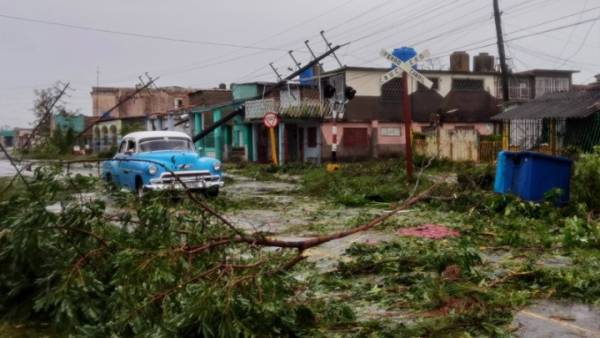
pixel 165 143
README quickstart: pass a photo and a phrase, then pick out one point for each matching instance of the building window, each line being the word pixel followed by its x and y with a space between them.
pixel 390 132
pixel 355 137
pixel 467 84
pixel 311 137
pixel 178 103
pixel 435 86
pixel 546 85
pixel 392 91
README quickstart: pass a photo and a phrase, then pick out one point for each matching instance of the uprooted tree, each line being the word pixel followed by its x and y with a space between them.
pixel 156 269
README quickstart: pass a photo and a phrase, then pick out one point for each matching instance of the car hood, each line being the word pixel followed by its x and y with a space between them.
pixel 175 160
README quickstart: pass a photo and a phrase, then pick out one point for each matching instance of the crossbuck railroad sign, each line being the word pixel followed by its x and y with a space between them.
pixel 403 66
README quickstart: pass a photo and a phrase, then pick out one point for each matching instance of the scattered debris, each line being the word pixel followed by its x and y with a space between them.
pixel 429 231
pixel 551 319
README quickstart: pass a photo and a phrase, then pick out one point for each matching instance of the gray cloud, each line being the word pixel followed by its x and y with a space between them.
pixel 34 55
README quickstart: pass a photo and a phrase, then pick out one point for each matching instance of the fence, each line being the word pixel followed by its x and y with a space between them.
pixel 456 145
pixel 555 136
pixel 488 150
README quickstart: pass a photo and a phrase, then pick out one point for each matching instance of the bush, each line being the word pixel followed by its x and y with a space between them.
pixel 477 177
pixel 586 180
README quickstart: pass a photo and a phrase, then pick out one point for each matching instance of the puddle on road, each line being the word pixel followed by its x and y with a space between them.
pixel 553 319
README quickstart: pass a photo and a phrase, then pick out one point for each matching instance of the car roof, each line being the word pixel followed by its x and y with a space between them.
pixel 150 134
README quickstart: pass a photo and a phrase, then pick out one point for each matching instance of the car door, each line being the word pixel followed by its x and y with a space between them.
pixel 115 164
pixel 126 165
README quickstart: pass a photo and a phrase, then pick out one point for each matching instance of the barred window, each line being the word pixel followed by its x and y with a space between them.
pixel 467 84
pixel 392 91
pixel 545 85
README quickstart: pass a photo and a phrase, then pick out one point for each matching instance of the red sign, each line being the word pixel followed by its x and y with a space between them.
pixel 271 120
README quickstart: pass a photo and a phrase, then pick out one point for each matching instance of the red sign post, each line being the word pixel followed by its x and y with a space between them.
pixel 405 68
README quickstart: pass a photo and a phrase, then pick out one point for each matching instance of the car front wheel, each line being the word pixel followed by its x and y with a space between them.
pixel 212 192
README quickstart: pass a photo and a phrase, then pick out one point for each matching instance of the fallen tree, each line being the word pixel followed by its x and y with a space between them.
pixel 158 269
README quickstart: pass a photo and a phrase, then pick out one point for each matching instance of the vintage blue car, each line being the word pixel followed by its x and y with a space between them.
pixel 148 160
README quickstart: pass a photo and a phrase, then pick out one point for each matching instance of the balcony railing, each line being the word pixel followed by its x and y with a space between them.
pixel 300 109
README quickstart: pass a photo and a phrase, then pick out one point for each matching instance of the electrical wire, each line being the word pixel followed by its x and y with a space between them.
pixel 585 38
pixel 137 35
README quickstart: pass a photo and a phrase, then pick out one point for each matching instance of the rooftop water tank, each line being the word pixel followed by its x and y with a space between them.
pixel 483 63
pixel 459 62
pixel 307 77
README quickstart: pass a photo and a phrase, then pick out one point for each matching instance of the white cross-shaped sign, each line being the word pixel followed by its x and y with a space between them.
pixel 406 67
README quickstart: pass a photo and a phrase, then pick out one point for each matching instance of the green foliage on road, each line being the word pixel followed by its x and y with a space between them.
pixel 68 261
pixel 76 264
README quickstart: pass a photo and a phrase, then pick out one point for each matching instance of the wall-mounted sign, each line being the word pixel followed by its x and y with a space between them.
pixel 390 132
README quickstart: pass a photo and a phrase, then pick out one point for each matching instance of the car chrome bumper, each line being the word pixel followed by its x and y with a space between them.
pixel 190 180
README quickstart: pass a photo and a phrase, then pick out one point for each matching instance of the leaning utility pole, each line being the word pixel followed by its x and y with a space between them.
pixel 504 74
pixel 501 52
pixel 281 83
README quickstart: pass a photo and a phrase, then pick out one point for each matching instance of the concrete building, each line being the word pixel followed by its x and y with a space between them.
pixel 134 114
pixel 462 98
pixel 149 101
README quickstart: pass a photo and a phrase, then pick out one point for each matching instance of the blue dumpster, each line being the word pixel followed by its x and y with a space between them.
pixel 531 175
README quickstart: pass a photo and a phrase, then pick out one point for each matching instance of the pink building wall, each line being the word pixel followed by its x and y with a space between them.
pixel 484 129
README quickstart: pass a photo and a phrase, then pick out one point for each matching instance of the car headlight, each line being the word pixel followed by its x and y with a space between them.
pixel 152 169
pixel 217 166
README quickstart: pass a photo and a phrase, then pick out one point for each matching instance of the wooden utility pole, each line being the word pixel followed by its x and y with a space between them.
pixel 504 73
pixel 501 52
pixel 406 108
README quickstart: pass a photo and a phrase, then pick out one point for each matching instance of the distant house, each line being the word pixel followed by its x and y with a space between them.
pixel 462 98
pixel 64 121
pixel 554 123
pixel 21 137
pixel 374 120
pixel 7 138
pixel 299 137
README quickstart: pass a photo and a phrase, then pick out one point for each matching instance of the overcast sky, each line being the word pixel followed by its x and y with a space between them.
pixel 210 42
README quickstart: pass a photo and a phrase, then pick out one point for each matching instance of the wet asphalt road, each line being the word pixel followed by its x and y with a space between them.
pixel 6 169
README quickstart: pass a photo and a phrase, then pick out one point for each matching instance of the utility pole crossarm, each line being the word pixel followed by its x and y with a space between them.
pixel 279 84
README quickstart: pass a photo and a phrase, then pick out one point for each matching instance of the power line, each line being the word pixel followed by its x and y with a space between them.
pixel 519 8
pixel 483 42
pixel 369 10
pixel 138 35
pixel 587 34
pixel 564 49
